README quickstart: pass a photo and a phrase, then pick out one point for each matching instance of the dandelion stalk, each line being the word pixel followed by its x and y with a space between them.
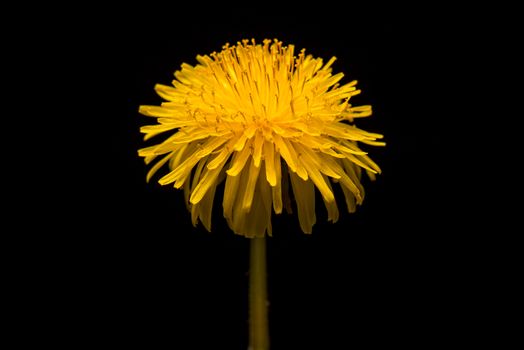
pixel 258 322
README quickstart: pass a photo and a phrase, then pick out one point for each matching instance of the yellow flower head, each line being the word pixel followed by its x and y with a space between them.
pixel 265 122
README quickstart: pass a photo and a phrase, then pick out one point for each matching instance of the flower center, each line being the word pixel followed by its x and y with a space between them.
pixel 265 127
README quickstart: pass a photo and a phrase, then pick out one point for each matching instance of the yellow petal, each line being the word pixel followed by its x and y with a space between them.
pixel 220 159
pixel 159 128
pixel 197 172
pixel 331 207
pixel 180 173
pixel 240 144
pixel 257 151
pixel 315 176
pixel 151 152
pixel 313 168
pixel 304 193
pixel 300 170
pixel 231 192
pixel 157 166
pixel 184 151
pixel 372 164
pixel 205 207
pixel 249 189
pixel 286 198
pixel 156 111
pixel 348 183
pixel 207 180
pixel 357 160
pixel 352 181
pixel 155 150
pixel 209 146
pixel 239 160
pixel 194 134
pixel 276 191
pixel 330 81
pixel 263 212
pixel 269 155
pixel 374 143
pixel 346 147
pixel 283 149
pixel 350 199
pixel 187 193
pixel 194 214
pixel 168 92
pixel 329 63
pixel 324 164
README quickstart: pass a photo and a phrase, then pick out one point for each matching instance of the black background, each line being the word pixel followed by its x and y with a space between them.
pixel 125 267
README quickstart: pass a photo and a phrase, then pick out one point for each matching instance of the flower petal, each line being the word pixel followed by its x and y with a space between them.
pixel 257 151
pixel 239 160
pixel 269 155
pixel 276 191
pixel 249 189
pixel 331 207
pixel 304 192
pixel 231 192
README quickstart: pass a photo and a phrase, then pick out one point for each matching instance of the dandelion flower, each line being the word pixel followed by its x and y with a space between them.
pixel 271 125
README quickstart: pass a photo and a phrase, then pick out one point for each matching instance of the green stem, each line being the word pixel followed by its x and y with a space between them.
pixel 258 324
